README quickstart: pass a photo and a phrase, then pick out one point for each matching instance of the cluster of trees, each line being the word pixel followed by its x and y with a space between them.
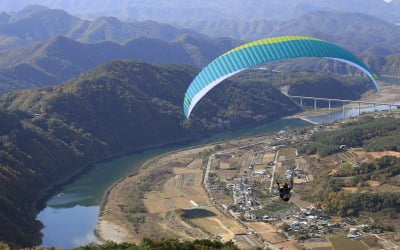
pixel 370 133
pixel 380 169
pixel 319 148
pixel 328 189
pixel 155 244
pixel 345 204
pixel 390 142
pixel 164 244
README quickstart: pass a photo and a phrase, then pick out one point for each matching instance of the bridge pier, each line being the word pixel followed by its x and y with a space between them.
pixel 329 106
pixel 301 102
pixel 344 112
pixel 315 104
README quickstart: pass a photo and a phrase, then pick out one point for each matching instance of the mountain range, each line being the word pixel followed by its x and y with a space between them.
pixel 360 33
pixel 177 11
pixel 37 23
pixel 59 57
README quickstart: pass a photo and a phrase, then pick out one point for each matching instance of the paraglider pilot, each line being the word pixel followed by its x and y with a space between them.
pixel 284 192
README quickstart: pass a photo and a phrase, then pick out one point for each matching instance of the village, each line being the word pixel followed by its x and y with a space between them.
pixel 242 182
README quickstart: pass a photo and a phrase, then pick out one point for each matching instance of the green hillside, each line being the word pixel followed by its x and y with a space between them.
pixel 50 134
pixel 37 23
pixel 389 65
pixel 360 33
pixel 317 84
pixel 61 58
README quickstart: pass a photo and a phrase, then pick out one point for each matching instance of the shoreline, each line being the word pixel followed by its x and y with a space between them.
pixel 105 227
pixel 45 194
pixel 147 162
pixel 40 202
pixel 99 229
pixel 120 231
pixel 305 116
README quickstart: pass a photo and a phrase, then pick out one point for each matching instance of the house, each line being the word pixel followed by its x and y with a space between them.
pixel 265 218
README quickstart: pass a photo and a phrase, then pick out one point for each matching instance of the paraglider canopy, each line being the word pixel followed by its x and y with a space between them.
pixel 262 51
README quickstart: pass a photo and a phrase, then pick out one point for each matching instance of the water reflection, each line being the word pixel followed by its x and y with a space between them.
pixel 60 221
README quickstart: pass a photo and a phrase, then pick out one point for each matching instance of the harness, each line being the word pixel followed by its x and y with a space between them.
pixel 285 194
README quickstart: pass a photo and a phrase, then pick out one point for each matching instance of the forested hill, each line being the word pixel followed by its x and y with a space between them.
pixel 389 65
pixel 37 23
pixel 61 58
pixel 360 33
pixel 49 134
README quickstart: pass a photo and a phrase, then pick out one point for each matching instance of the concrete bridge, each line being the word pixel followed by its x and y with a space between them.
pixel 344 102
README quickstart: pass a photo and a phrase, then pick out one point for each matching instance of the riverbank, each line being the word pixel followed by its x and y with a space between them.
pixel 82 197
pixel 107 230
pixel 82 194
pixel 179 203
pixel 107 225
pixel 165 196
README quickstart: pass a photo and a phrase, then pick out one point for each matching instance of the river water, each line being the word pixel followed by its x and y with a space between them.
pixel 71 213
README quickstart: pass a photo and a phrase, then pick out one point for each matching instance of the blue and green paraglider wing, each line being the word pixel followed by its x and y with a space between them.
pixel 261 51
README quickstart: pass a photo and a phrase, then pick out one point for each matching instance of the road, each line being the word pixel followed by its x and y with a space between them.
pixel 273 172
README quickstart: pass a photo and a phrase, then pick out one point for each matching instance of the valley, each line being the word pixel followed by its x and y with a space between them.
pixel 208 182
pixel 94 108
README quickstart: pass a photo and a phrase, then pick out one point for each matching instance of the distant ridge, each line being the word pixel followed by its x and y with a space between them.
pixel 62 58
pixel 360 33
pixel 176 11
pixel 37 23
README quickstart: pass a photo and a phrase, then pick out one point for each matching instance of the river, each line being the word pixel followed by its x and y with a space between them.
pixel 71 213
